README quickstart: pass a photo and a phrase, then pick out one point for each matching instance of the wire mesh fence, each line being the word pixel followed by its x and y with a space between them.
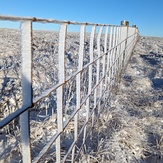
pixel 54 84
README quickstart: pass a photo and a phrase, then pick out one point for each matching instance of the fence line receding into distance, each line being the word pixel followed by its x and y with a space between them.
pixel 84 75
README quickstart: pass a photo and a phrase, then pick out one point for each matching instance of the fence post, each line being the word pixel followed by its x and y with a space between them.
pixel 78 96
pixel 90 67
pixel 26 81
pixel 112 52
pixel 109 58
pixel 124 35
pixel 61 75
pixel 118 51
pixel 98 67
pixel 104 61
pixel 125 23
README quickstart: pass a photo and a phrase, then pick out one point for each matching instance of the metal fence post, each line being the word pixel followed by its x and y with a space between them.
pixel 98 64
pixel 109 57
pixel 78 86
pixel 107 63
pixel 124 35
pixel 90 67
pixel 125 23
pixel 105 45
pixel 112 53
pixel 102 87
pixel 118 50
pixel 61 64
pixel 26 75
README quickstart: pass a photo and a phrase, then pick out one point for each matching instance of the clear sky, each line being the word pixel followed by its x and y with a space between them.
pixel 146 14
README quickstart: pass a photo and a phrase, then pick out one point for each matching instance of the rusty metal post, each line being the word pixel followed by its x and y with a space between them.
pixel 124 23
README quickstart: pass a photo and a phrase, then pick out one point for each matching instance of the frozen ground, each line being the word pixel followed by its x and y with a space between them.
pixel 130 129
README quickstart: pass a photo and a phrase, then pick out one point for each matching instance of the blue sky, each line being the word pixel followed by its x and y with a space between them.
pixel 146 14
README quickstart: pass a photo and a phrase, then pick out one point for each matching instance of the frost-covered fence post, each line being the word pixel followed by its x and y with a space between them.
pixel 78 85
pixel 112 53
pixel 26 75
pixel 98 69
pixel 105 75
pixel 136 36
pixel 103 63
pixel 108 69
pixel 61 75
pixel 130 43
pixel 80 67
pixel 118 50
pixel 124 34
pixel 106 50
pixel 90 68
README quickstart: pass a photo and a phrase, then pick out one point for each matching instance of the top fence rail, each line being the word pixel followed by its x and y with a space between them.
pixel 42 20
